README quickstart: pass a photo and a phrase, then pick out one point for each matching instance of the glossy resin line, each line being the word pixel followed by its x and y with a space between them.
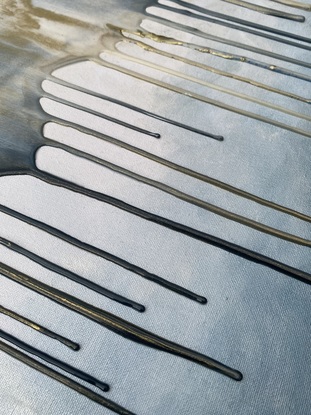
pixel 295 4
pixel 53 361
pixel 114 120
pixel 88 393
pixel 198 97
pixel 173 192
pixel 103 254
pixel 184 170
pixel 175 226
pixel 35 326
pixel 90 111
pixel 229 42
pixel 243 22
pixel 267 10
pixel 67 84
pixel 200 65
pixel 188 13
pixel 116 324
pixel 71 275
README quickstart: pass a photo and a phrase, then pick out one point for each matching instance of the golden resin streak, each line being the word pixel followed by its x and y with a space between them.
pixel 170 41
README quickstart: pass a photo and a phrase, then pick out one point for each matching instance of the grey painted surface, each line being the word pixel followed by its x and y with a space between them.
pixel 256 320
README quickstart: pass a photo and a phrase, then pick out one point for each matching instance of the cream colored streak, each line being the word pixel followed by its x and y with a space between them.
pixel 295 4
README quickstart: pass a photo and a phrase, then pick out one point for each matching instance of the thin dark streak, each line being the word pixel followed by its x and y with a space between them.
pixel 116 324
pixel 35 326
pixel 103 254
pixel 134 108
pixel 72 276
pixel 55 362
pixel 229 42
pixel 243 22
pixel 88 393
pixel 187 171
pixel 105 117
pixel 178 194
pixel 233 26
pixel 167 223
